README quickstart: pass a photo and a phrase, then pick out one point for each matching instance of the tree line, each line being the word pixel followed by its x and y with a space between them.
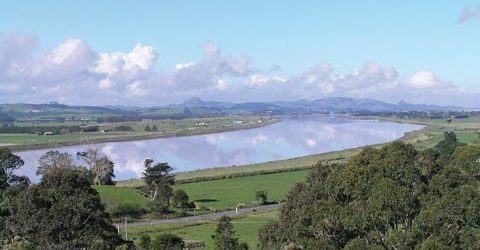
pixel 394 197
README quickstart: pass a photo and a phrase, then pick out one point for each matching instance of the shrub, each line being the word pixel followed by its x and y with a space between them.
pixel 127 209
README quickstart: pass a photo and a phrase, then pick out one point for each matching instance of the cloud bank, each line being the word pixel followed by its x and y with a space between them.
pixel 74 73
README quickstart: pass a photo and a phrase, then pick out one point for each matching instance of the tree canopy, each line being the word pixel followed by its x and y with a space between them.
pixel 388 198
pixel 62 212
pixel 158 181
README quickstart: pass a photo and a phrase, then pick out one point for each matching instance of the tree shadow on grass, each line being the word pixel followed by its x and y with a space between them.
pixel 206 200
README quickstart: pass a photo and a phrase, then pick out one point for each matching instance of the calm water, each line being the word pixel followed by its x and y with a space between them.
pixel 287 139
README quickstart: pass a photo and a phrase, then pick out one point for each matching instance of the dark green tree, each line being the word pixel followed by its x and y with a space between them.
pixel 10 185
pixel 261 196
pixel 167 242
pixel 181 199
pixel 387 198
pixel 145 242
pixel 62 212
pixel 225 238
pixel 158 181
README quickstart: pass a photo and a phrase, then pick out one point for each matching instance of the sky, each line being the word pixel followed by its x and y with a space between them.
pixel 149 53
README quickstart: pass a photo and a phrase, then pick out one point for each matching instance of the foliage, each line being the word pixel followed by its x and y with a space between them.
pixel 10 185
pixel 66 211
pixel 158 181
pixel 225 238
pixel 127 210
pixel 388 198
pixel 261 196
pixel 53 159
pixel 167 242
pixel 181 199
pixel 145 242
pixel 100 166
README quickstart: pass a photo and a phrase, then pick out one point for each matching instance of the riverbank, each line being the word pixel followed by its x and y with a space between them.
pixel 432 132
pixel 25 142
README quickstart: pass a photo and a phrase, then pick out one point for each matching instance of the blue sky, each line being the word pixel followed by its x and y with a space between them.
pixel 291 36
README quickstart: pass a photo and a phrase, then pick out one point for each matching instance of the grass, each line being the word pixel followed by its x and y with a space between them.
pixel 217 194
pixel 467 130
pixel 112 196
pixel 246 228
pixel 227 193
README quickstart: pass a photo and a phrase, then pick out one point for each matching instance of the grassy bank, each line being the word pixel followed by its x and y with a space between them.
pixel 289 165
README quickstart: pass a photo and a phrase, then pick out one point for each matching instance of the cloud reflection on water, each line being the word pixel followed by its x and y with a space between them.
pixel 287 139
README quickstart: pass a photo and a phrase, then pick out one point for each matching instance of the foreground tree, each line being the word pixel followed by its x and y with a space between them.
pixel 10 185
pixel 387 198
pixel 62 212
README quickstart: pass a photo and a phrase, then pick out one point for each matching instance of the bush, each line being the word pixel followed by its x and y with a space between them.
pixel 181 199
pixel 145 242
pixel 127 209
pixel 168 242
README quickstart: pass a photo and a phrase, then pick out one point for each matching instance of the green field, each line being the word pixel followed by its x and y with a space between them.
pixel 467 130
pixel 217 194
pixel 112 196
pixel 246 228
pixel 227 193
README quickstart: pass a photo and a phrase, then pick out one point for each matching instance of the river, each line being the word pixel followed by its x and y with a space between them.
pixel 292 137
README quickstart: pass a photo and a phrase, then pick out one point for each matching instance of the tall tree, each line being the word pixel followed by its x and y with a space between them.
pixel 158 179
pixel 225 238
pixel 62 212
pixel 10 185
pixel 101 167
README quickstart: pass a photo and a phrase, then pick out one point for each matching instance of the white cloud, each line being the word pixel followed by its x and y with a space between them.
pixel 105 83
pixel 180 66
pixel 137 89
pixel 425 79
pixel 141 56
pixel 221 84
pixel 76 74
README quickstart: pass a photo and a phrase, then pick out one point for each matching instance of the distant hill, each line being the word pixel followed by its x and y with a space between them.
pixel 329 104
pixel 196 107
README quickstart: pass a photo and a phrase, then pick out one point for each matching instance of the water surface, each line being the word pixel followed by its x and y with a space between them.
pixel 293 137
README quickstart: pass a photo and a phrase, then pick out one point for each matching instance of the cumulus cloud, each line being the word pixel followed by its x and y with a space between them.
pixel 468 13
pixel 425 79
pixel 74 73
